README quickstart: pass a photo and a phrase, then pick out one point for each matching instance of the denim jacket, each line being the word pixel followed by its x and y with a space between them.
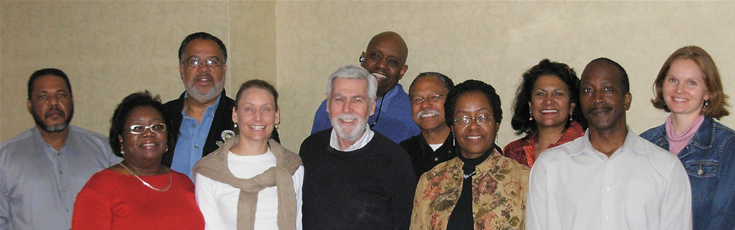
pixel 709 160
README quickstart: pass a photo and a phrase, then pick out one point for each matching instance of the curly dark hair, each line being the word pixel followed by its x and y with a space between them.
pixel 521 112
pixel 450 105
pixel 122 112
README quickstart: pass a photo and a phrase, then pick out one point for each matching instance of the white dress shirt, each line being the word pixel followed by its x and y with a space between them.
pixel 640 186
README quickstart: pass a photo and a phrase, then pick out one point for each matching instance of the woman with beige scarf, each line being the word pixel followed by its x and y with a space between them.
pixel 251 182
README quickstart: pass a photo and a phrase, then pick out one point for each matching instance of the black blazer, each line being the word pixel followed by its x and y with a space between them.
pixel 222 121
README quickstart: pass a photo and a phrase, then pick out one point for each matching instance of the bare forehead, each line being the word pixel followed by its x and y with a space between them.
pixel 389 42
pixel 350 87
pixel 202 47
pixel 429 82
pixel 600 72
pixel 49 83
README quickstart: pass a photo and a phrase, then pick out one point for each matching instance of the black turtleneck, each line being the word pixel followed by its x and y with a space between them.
pixel 461 217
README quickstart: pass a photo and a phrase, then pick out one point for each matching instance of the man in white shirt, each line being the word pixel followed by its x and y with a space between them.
pixel 610 178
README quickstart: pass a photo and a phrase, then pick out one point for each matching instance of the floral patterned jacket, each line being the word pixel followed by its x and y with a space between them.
pixel 498 194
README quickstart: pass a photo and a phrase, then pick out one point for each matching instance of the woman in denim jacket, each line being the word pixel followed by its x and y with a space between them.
pixel 689 87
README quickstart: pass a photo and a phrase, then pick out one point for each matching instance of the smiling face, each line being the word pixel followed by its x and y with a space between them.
pixel 550 103
pixel 684 88
pixel 428 115
pixel 474 139
pixel 51 104
pixel 349 107
pixel 385 58
pixel 148 146
pixel 256 114
pixel 603 101
pixel 203 83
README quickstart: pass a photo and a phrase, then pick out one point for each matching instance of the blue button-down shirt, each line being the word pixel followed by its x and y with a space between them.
pixel 39 184
pixel 192 136
pixel 395 120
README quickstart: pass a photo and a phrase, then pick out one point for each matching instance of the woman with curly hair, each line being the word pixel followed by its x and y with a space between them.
pixel 546 111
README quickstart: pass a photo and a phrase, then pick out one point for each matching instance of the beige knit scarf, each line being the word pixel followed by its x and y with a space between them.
pixel 214 166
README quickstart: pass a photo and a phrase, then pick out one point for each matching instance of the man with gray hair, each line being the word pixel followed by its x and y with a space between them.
pixel 354 178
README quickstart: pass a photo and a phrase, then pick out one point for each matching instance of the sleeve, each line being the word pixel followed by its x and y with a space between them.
pixel 536 199
pixel 204 192
pixel 676 205
pixel 723 205
pixel 419 214
pixel 321 118
pixel 92 210
pixel 298 185
pixel 404 182
pixel 4 203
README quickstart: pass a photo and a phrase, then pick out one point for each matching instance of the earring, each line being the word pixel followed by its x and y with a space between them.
pixel 278 123
pixel 362 59
pixel 570 116
pixel 166 149
pixel 122 150
pixel 706 102
pixel 530 116
pixel 235 124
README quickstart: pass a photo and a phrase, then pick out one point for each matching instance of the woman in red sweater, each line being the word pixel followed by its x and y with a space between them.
pixel 138 193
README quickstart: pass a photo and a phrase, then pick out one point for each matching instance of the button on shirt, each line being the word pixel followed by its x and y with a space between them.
pixel 641 186
pixel 192 136
pixel 39 184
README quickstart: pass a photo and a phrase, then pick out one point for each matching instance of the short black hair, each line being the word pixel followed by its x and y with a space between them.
pixel 624 82
pixel 472 86
pixel 521 112
pixel 446 81
pixel 47 72
pixel 122 112
pixel 205 36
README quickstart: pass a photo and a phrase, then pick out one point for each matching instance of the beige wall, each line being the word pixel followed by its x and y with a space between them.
pixel 111 49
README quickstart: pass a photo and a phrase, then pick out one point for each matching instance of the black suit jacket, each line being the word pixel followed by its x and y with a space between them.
pixel 222 121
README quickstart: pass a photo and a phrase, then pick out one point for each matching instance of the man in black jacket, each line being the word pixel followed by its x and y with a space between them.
pixel 203 114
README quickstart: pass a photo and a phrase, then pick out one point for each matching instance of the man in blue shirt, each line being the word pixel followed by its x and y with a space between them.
pixel 202 115
pixel 43 168
pixel 385 58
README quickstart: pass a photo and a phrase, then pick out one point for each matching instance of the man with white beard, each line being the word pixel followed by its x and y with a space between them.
pixel 385 58
pixel 354 178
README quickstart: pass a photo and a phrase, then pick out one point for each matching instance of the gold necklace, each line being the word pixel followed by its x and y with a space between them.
pixel 170 180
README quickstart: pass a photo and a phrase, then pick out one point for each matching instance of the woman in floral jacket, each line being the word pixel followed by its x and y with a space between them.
pixel 480 188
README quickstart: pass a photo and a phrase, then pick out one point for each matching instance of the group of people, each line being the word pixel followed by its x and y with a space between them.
pixel 378 157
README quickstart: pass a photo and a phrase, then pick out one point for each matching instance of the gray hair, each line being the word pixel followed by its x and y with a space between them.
pixel 354 72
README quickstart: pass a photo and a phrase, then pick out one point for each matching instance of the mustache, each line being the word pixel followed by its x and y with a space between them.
pixel 54 111
pixel 599 109
pixel 347 116
pixel 425 112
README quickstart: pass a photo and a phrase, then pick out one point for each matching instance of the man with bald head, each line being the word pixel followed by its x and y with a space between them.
pixel 385 58
pixel 610 178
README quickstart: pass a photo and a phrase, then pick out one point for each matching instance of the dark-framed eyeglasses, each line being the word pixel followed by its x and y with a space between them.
pixel 195 62
pixel 430 98
pixel 140 129
pixel 482 119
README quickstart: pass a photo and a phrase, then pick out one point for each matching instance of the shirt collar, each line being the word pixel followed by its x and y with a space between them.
pixel 631 142
pixel 210 109
pixel 362 142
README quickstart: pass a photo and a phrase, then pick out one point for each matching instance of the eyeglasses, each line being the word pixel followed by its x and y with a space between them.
pixel 212 62
pixel 139 129
pixel 482 119
pixel 430 98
